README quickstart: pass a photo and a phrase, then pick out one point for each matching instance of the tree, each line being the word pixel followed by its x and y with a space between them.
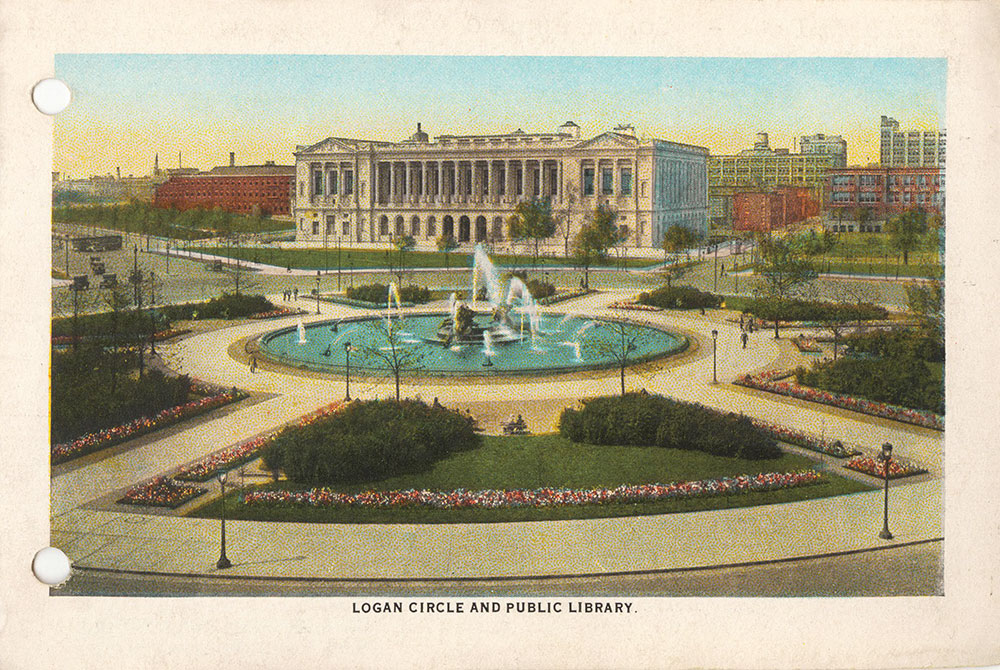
pixel 626 338
pixel 447 244
pixel 594 238
pixel 402 243
pixel 386 350
pixel 532 220
pixel 678 238
pixel 927 303
pixel 905 231
pixel 571 195
pixel 783 272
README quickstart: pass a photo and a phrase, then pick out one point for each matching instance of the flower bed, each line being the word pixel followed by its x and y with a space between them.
pixel 542 497
pixel 873 466
pixel 157 336
pixel 834 448
pixel 161 492
pixel 137 427
pixel 806 345
pixel 634 306
pixel 244 452
pixel 769 382
pixel 276 313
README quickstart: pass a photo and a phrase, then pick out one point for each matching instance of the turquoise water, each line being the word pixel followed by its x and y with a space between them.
pixel 563 343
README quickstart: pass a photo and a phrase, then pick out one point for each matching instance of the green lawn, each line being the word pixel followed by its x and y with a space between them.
pixel 313 259
pixel 881 266
pixel 550 460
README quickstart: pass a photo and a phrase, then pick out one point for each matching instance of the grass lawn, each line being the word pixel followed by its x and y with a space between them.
pixel 313 259
pixel 550 460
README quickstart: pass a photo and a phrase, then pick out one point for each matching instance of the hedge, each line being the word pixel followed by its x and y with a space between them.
pixel 643 420
pixel 679 297
pixel 378 294
pixel 370 440
pixel 226 306
pixel 788 309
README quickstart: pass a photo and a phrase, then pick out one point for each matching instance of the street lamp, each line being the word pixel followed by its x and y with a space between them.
pixel 317 291
pixel 339 264
pixel 347 378
pixel 715 343
pixel 885 458
pixel 223 561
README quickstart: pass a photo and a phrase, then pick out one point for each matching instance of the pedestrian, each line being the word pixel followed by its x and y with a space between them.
pixel 722 269
pixel 295 292
pixel 742 324
pixel 744 337
pixel 253 364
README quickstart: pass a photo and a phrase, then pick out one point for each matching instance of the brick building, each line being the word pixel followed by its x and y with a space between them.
pixel 765 211
pixel 884 191
pixel 235 188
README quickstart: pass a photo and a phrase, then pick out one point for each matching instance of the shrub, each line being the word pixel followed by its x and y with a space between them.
pixel 786 309
pixel 899 380
pixel 130 324
pixel 679 297
pixel 369 441
pixel 226 306
pixel 540 289
pixel 637 419
pixel 379 293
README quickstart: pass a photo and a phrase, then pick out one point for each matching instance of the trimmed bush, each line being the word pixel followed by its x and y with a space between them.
pixel 540 289
pixel 226 306
pixel 784 309
pixel 679 297
pixel 379 293
pixel 643 420
pixel 369 441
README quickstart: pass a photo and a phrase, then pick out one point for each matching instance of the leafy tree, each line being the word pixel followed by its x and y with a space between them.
pixel 625 340
pixel 905 231
pixel 532 220
pixel 571 194
pixel 594 239
pixel 446 244
pixel 403 243
pixel 927 302
pixel 782 270
pixel 678 238
pixel 388 352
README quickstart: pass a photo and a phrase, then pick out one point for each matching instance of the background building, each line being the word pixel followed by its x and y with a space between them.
pixel 763 169
pixel 468 185
pixel 883 191
pixel 772 210
pixel 910 148
pixel 241 189
pixel 833 145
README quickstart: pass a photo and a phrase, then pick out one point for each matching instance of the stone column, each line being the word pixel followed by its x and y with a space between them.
pixel 392 182
pixel 489 180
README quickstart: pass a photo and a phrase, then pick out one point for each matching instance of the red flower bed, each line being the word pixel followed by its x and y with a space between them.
pixel 160 492
pixel 873 466
pixel 634 306
pixel 768 381
pixel 143 425
pixel 227 459
pixel 542 497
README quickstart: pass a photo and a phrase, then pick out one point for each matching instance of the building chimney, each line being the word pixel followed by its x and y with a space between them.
pixel 156 163
pixel 232 159
pixel 118 171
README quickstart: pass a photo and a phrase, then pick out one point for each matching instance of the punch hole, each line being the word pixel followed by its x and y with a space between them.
pixel 50 96
pixel 51 566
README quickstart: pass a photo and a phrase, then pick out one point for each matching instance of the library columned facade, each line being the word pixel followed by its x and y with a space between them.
pixel 467 186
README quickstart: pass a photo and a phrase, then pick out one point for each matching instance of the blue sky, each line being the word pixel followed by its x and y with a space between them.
pixel 126 107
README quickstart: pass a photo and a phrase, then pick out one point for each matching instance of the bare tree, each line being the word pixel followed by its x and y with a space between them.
pixel 389 353
pixel 622 341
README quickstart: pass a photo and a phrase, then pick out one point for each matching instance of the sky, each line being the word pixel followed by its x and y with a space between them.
pixel 126 108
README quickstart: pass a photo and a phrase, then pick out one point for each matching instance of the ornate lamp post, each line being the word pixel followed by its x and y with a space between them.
pixel 715 343
pixel 347 378
pixel 317 291
pixel 885 458
pixel 223 561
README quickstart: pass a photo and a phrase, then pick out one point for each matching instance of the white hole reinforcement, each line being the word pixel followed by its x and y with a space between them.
pixel 50 96
pixel 51 566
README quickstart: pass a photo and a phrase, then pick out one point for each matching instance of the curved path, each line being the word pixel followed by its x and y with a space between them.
pixel 169 544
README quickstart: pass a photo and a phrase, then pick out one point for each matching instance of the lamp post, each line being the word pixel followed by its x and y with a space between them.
pixel 885 458
pixel 223 561
pixel 715 343
pixel 317 291
pixel 339 264
pixel 347 378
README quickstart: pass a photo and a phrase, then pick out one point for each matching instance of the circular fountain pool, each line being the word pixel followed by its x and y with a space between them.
pixel 558 343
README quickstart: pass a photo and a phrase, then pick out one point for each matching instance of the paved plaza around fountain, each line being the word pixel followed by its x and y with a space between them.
pixel 95 534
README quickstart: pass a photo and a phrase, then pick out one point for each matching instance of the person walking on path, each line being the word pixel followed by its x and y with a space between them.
pixel 253 364
pixel 742 323
pixel 295 292
pixel 744 337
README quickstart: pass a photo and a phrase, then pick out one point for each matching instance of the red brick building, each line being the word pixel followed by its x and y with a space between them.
pixel 767 211
pixel 885 191
pixel 235 188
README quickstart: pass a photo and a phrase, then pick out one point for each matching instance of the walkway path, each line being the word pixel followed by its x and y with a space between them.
pixel 122 540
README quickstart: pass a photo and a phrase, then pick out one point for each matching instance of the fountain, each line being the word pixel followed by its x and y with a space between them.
pixel 508 335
